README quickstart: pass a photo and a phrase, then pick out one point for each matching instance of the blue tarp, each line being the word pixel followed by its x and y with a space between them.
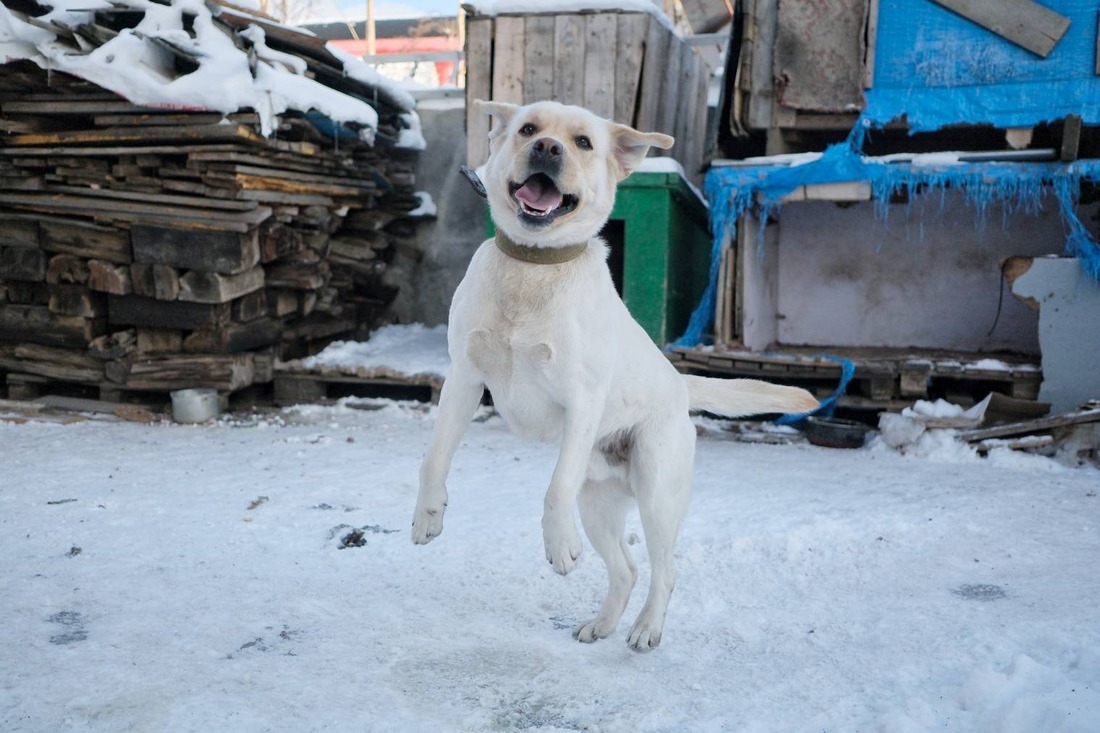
pixel 1018 186
pixel 939 68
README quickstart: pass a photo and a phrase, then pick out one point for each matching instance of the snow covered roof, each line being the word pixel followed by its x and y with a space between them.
pixel 192 54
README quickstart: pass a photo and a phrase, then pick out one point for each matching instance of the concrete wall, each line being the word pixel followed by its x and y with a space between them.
pixel 448 242
pixel 927 276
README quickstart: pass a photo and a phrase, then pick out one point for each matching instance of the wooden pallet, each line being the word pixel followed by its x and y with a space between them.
pixel 302 387
pixel 884 378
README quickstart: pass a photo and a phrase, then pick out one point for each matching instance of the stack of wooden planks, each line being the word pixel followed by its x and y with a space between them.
pixel 154 249
pixel 630 67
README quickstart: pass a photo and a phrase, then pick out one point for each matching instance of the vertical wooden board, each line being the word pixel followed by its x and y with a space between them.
pixel 651 90
pixel 569 62
pixel 761 84
pixel 686 103
pixel 538 80
pixel 508 59
pixel 600 32
pixel 703 139
pixel 666 113
pixel 479 49
pixel 869 49
pixel 630 48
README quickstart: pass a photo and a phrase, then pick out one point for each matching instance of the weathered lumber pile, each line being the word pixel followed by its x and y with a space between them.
pixel 153 248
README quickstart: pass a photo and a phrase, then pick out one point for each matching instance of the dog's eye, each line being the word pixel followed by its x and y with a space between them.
pixel 528 130
pixel 583 142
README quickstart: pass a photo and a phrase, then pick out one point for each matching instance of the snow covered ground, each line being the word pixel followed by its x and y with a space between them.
pixel 190 578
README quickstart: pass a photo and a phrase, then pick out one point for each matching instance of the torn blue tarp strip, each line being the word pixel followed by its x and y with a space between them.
pixel 827 406
pixel 937 68
pixel 1015 185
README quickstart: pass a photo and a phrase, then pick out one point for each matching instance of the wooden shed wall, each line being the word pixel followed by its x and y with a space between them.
pixel 628 67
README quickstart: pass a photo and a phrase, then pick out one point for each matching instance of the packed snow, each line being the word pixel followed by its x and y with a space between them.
pixel 256 574
pixel 409 349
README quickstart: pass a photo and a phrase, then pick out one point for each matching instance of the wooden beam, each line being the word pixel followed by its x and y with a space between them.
pixel 1071 138
pixel 1023 22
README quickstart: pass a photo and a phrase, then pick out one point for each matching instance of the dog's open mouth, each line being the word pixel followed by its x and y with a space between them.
pixel 540 201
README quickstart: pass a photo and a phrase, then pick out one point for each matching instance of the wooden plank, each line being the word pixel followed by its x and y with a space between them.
pixel 22 263
pixel 600 32
pixel 538 62
pixel 479 75
pixel 761 30
pixel 155 281
pixel 508 60
pixel 76 300
pixel 569 44
pixel 19 232
pixel 226 373
pixel 686 108
pixel 123 210
pixel 1031 426
pixel 869 48
pixel 630 44
pixel 85 240
pixel 224 252
pixel 651 91
pixel 1071 138
pixel 146 135
pixel 108 277
pixel 213 287
pixel 36 324
pixel 134 310
pixel 200 202
pixel 669 103
pixel 234 338
pixel 1023 22
pixel 70 365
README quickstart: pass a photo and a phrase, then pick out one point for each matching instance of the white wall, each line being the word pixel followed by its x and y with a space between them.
pixel 926 277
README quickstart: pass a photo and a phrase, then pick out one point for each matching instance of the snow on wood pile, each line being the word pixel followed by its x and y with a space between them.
pixel 189 193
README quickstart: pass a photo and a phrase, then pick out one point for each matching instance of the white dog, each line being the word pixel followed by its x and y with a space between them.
pixel 537 321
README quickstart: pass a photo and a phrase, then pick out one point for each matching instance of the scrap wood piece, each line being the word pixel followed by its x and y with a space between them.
pixel 1085 415
pixel 1021 443
pixel 1023 22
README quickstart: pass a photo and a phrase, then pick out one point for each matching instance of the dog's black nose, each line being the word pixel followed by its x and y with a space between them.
pixel 548 147
pixel 546 156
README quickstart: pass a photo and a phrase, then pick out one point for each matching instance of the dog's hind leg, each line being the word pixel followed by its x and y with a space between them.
pixel 661 470
pixel 603 506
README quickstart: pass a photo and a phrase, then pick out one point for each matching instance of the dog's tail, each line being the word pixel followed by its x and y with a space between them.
pixel 741 397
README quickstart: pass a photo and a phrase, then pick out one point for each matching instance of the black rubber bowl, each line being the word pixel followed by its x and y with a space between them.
pixel 834 432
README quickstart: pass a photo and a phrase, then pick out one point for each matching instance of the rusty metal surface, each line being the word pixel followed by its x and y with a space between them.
pixel 819 50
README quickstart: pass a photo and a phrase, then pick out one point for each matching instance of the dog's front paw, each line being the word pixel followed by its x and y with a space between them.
pixel 563 546
pixel 646 634
pixel 427 523
pixel 594 630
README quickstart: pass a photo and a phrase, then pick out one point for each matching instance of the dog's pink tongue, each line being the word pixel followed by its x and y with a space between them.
pixel 537 196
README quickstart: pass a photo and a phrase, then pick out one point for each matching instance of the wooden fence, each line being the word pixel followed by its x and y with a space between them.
pixel 626 66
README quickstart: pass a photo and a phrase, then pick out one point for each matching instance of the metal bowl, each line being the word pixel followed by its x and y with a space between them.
pixel 194 405
pixel 835 432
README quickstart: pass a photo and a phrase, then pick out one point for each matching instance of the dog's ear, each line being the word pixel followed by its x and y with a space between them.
pixel 630 146
pixel 502 111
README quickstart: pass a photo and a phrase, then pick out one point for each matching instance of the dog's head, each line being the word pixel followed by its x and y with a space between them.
pixel 553 169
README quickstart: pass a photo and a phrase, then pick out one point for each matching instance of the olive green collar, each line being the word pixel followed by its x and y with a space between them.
pixel 539 255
